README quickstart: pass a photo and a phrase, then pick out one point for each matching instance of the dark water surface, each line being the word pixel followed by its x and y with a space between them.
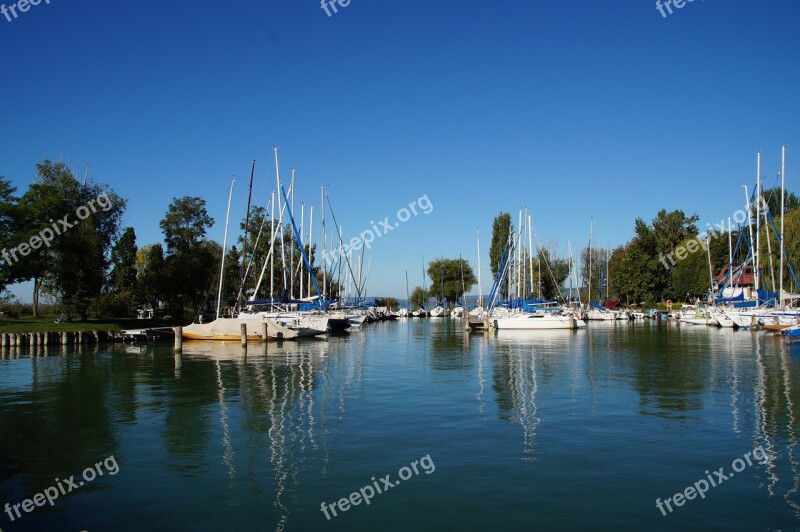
pixel 512 431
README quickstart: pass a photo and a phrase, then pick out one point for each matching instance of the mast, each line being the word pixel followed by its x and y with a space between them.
pixel 246 228
pixel 280 210
pixel 758 227
pixel 589 295
pixel 480 285
pixel 783 203
pixel 324 241
pixel 310 235
pixel 424 295
pixel 608 279
pixel 530 258
pixel 407 296
pixel 224 245
pixel 749 227
pixel 710 268
pixel 730 254
pixel 291 257
pixel 519 256
pixel 271 244
pixel 302 231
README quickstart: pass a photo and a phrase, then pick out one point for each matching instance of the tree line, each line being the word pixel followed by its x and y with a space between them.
pixel 94 266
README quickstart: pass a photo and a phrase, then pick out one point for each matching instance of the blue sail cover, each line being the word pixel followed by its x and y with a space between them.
pixel 598 307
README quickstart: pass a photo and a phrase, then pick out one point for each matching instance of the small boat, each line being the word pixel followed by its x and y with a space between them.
pixel 438 312
pixel 791 332
pixel 458 312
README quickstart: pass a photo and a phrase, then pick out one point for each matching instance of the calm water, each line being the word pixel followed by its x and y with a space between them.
pixel 569 430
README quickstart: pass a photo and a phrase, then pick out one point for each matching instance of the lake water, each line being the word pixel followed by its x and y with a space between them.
pixel 508 430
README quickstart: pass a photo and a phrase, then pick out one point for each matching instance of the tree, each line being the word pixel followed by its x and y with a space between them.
pixel 501 230
pixel 554 272
pixel 388 302
pixel 772 196
pixel 185 224
pixel 596 278
pixel 8 209
pixel 450 278
pixel 123 262
pixel 690 276
pixel 150 274
pixel 67 229
pixel 191 262
pixel 419 297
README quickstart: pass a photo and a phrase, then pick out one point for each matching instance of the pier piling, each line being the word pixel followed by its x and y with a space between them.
pixel 244 334
pixel 178 339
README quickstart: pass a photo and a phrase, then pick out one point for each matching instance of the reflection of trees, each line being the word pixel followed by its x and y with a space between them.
pixel 60 415
pixel 55 420
pixel 447 343
pixel 671 369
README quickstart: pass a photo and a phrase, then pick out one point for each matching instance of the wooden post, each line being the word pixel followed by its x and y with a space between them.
pixel 244 334
pixel 64 338
pixel 3 340
pixel 178 339
pixel 265 331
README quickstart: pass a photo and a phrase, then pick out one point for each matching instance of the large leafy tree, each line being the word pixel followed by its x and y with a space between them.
pixel 122 281
pixel 419 297
pixel 80 222
pixel 593 271
pixel 150 274
pixel 773 198
pixel 450 279
pixel 8 209
pixel 554 272
pixel 501 229
pixel 191 262
pixel 690 277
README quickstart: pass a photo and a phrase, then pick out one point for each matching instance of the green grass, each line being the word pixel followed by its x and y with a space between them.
pixel 29 324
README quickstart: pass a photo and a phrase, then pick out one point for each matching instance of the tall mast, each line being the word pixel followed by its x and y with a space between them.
pixel 280 210
pixel 758 226
pixel 324 241
pixel 291 257
pixel 519 255
pixel 480 285
pixel 589 295
pixel 710 268
pixel 310 236
pixel 246 227
pixel 302 230
pixel 271 246
pixel 783 203
pixel 224 245
pixel 749 225
pixel 730 253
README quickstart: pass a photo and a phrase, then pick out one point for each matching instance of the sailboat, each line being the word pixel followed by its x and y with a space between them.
pixel 230 328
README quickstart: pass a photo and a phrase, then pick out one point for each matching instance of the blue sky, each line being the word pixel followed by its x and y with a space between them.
pixel 576 109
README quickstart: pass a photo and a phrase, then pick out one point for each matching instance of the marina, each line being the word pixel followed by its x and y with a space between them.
pixel 521 428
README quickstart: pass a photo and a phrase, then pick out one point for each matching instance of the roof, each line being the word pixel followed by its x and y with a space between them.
pixel 741 276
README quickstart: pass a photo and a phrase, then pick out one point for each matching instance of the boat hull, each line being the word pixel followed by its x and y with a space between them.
pixel 534 322
pixel 222 329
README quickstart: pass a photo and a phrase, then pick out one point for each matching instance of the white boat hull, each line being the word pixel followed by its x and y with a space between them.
pixel 535 322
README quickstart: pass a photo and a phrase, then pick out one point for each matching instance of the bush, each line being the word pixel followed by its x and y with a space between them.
pixel 111 306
